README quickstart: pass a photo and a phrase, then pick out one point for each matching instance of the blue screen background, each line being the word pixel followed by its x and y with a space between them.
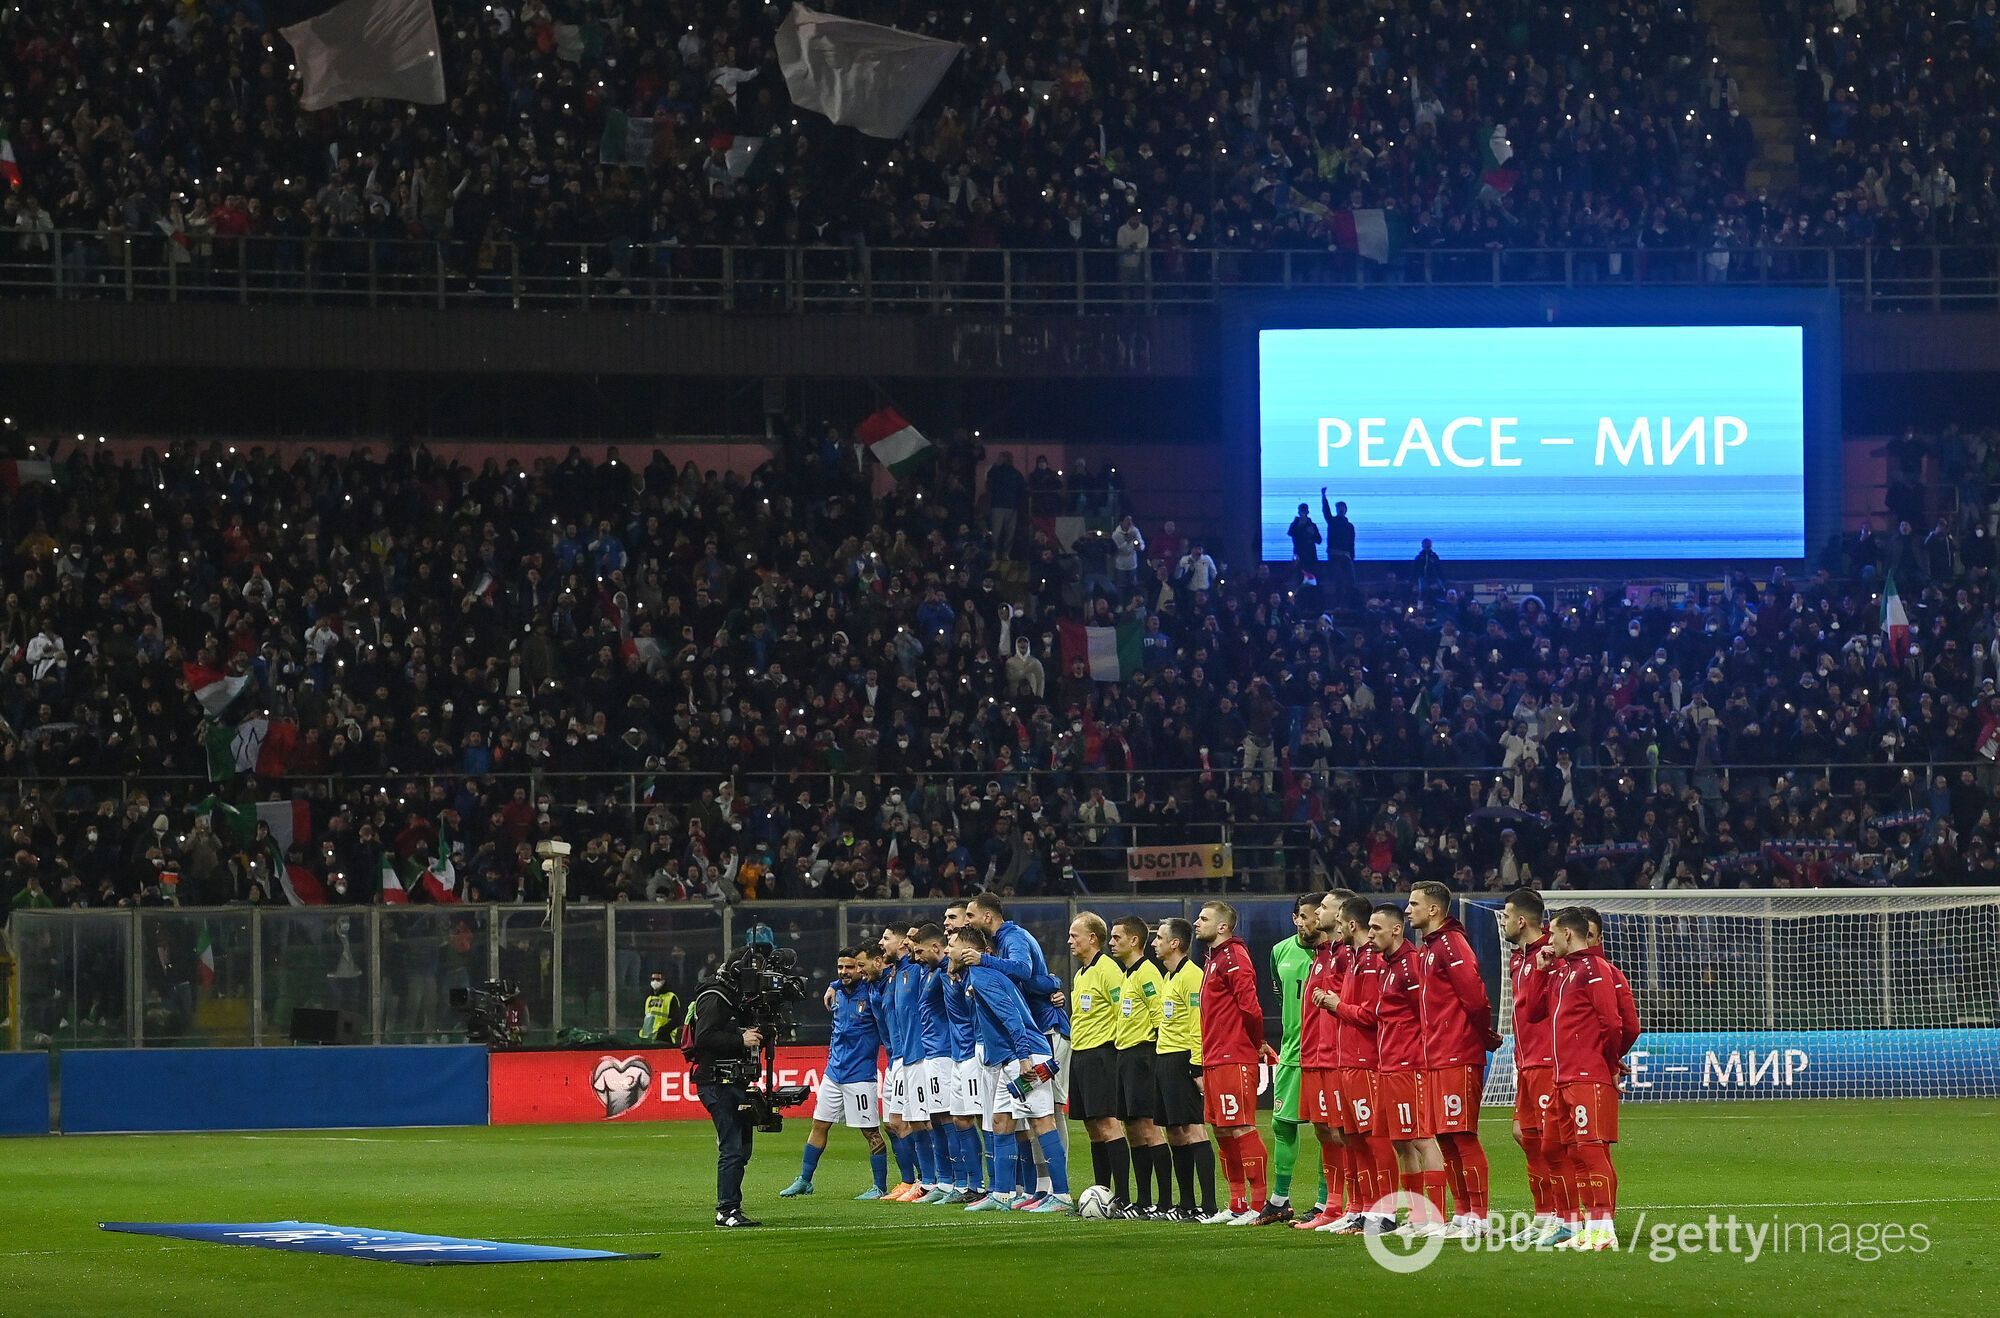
pixel 1558 381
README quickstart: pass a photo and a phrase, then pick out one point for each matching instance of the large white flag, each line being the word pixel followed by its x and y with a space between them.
pixel 354 50
pixel 860 74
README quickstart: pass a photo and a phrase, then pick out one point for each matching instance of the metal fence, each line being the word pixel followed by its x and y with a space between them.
pixel 388 272
pixel 232 976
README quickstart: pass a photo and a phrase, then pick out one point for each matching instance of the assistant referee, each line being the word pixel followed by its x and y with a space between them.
pixel 1093 1059
pixel 1178 1071
pixel 1138 1038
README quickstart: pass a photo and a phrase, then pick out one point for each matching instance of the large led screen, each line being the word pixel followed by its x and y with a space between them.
pixel 1538 442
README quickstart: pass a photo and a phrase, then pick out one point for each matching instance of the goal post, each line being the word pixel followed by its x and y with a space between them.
pixel 1793 993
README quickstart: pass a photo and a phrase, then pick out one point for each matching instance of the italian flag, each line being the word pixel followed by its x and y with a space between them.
pixel 259 745
pixel 393 891
pixel 1109 654
pixel 214 689
pixel 1895 622
pixel 896 444
pixel 15 473
pixel 1374 234
pixel 204 958
pixel 290 821
pixel 10 168
pixel 1495 179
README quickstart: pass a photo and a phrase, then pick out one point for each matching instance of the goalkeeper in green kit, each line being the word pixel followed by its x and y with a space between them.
pixel 1291 962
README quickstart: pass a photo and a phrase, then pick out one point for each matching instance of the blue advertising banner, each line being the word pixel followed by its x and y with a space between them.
pixel 24 1093
pixel 1610 434
pixel 360 1242
pixel 168 1089
pixel 1796 1064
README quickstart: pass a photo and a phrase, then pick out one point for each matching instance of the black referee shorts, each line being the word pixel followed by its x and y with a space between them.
pixel 1138 1092
pixel 1179 1102
pixel 1093 1083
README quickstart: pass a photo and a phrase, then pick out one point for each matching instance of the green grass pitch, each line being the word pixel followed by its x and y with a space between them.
pixel 1841 1165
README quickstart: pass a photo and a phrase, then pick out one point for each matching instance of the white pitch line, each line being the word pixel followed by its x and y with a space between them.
pixel 943 1223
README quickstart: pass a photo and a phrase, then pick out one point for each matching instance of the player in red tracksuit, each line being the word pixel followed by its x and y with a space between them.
pixel 1232 1046
pixel 1593 1031
pixel 1458 1033
pixel 1319 1060
pixel 1371 1158
pixel 1534 1057
pixel 1400 1061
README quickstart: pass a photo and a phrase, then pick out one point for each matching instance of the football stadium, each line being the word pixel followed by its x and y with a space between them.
pixel 1330 653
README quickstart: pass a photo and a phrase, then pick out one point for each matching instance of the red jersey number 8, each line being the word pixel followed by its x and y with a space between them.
pixel 1582 1119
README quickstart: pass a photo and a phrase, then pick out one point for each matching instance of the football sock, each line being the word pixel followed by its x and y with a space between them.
pixel 878 1166
pixel 925 1153
pixel 1596 1160
pixel 975 1150
pixel 1058 1161
pixel 1204 1165
pixel 809 1162
pixel 1472 1172
pixel 1028 1154
pixel 906 1160
pixel 1454 1171
pixel 1251 1151
pixel 1142 1176
pixel 1183 1160
pixel 1284 1156
pixel 1538 1172
pixel 947 1154
pixel 1228 1148
pixel 1100 1164
pixel 1003 1164
pixel 1118 1155
pixel 1434 1190
pixel 1384 1162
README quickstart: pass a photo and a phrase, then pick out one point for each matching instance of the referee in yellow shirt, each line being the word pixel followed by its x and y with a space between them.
pixel 1177 1070
pixel 1093 1057
pixel 1138 1038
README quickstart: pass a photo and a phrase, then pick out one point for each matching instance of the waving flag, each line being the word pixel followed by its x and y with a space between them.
pixel 10 168
pixel 215 690
pixel 1895 622
pixel 1109 654
pixel 896 444
pixel 860 74
pixel 393 891
pixel 356 50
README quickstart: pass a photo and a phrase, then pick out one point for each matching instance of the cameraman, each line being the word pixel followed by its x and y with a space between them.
pixel 723 1050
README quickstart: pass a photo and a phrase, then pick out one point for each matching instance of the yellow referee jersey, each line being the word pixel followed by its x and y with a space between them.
pixel 1093 1002
pixel 1180 1010
pixel 1139 1005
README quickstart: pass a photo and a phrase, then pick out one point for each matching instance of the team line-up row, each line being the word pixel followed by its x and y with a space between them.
pixel 1386 1037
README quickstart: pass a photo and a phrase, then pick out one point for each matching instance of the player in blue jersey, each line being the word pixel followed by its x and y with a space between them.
pixel 1014 952
pixel 1019 1073
pixel 897 1004
pixel 935 1075
pixel 847 1089
pixel 967 1111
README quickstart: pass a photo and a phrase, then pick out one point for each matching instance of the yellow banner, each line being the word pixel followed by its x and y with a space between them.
pixel 1203 860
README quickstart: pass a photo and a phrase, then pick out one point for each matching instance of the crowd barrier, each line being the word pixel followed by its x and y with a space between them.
pixel 201 1089
pixel 24 1093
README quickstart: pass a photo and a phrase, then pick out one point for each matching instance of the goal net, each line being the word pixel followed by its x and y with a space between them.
pixel 1799 993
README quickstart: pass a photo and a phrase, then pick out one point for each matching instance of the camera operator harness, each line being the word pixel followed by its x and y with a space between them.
pixel 754 990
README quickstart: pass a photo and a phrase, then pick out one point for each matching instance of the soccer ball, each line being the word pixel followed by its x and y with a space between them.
pixel 1094 1203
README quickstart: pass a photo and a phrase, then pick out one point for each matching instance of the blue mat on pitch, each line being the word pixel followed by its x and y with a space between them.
pixel 362 1242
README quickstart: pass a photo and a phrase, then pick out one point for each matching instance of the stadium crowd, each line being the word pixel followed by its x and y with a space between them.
pixel 1598 123
pixel 798 684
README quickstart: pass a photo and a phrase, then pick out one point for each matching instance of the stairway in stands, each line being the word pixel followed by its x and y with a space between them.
pixel 1764 90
